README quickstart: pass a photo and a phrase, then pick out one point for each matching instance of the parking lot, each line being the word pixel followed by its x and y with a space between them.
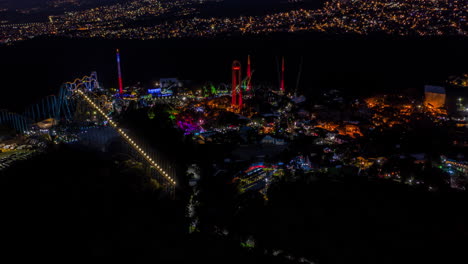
pixel 9 156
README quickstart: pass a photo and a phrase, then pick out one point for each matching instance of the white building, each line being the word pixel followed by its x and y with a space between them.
pixel 272 140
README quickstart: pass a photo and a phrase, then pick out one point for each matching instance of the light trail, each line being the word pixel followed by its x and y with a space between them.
pixel 128 139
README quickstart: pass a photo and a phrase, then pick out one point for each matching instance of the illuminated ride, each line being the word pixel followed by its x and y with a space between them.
pixel 236 86
pixel 76 102
pixel 57 107
pixel 16 121
pixel 223 89
pixel 119 71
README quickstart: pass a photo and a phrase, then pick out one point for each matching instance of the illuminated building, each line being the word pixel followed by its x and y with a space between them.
pixel 46 124
pixel 434 96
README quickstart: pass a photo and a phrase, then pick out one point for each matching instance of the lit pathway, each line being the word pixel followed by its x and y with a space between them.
pixel 128 139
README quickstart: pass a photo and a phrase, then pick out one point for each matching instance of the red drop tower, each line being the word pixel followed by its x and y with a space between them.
pixel 236 85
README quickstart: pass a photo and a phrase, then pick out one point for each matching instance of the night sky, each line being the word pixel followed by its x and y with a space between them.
pixel 23 3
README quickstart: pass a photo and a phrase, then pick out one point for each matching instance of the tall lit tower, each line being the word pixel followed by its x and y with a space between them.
pixel 282 76
pixel 249 74
pixel 236 85
pixel 119 72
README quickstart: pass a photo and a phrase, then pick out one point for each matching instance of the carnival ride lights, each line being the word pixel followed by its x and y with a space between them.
pixel 188 126
pixel 119 72
pixel 128 139
pixel 89 82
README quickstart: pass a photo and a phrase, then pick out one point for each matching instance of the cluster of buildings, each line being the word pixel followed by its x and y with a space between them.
pixel 99 22
pixel 457 170
pixel 368 137
pixel 257 177
pixel 18 149
pixel 152 19
pixel 288 135
pixel 64 3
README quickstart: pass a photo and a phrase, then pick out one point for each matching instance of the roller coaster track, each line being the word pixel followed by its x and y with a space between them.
pixel 63 106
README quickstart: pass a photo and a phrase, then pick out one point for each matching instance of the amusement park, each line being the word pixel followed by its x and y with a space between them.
pixel 234 131
pixel 244 113
pixel 217 149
